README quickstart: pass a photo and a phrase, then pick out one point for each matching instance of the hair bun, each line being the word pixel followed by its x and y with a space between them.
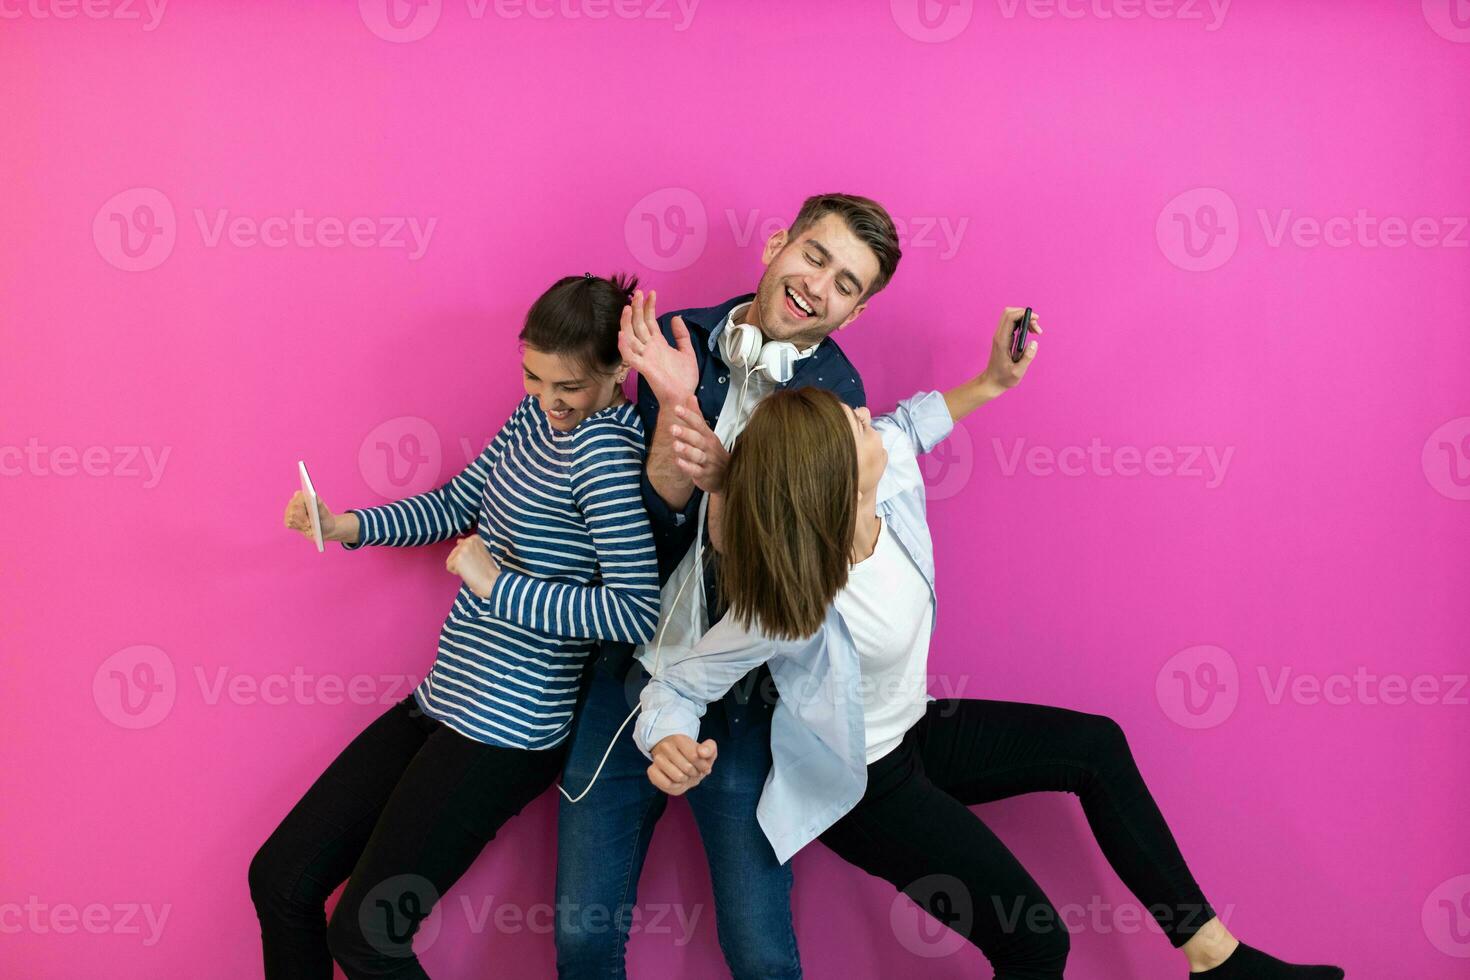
pixel 625 284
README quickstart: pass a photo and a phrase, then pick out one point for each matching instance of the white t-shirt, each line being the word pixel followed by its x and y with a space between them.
pixel 889 611
pixel 682 616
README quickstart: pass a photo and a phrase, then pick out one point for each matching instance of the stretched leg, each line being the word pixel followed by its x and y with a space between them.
pixel 452 799
pixel 989 750
pixel 752 890
pixel 316 845
pixel 927 844
pixel 602 839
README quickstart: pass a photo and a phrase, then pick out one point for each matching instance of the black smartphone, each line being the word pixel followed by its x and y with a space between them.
pixel 1018 336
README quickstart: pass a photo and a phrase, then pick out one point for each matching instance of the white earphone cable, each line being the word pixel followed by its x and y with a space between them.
pixel 696 571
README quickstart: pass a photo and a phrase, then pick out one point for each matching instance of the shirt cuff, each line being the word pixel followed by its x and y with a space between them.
pixel 931 418
pixel 365 529
pixel 661 515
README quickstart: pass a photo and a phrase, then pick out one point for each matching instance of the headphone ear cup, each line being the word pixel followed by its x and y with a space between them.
pixel 778 360
pixel 744 347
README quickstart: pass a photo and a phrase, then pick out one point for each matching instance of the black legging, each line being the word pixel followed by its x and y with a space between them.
pixel 912 826
pixel 404 810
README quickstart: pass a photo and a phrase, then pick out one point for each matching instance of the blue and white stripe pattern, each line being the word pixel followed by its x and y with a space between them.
pixel 562 513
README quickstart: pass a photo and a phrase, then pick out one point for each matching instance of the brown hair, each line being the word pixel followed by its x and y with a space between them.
pixel 868 221
pixel 578 317
pixel 790 512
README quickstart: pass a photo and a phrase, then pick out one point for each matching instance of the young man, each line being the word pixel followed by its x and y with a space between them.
pixel 820 273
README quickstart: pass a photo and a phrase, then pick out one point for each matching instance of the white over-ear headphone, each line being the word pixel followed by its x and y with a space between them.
pixel 746 347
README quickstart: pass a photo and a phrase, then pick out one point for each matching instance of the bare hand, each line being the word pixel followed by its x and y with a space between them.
pixel 672 372
pixel 679 763
pixel 1002 372
pixel 472 561
pixel 698 452
pixel 297 518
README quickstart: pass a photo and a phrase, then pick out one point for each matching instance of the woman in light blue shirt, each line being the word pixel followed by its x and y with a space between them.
pixel 828 569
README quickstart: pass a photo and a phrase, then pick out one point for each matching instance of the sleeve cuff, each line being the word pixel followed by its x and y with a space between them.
pixel 931 418
pixel 364 530
pixel 661 515
pixel 496 605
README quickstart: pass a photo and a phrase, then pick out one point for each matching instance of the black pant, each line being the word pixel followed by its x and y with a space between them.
pixel 404 811
pixel 912 826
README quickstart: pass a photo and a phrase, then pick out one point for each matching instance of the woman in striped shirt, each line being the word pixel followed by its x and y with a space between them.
pixel 556 555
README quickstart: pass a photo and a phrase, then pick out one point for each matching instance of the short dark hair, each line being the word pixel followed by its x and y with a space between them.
pixel 578 317
pixel 868 221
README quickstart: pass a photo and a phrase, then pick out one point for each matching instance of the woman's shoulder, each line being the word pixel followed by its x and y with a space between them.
pixel 612 437
pixel 620 423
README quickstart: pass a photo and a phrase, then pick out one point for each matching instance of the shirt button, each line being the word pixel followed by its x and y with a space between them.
pixel 722 379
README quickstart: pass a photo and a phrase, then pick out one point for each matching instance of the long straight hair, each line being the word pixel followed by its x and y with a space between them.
pixel 790 512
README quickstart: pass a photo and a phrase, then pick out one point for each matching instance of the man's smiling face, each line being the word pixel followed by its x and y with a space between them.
pixel 814 281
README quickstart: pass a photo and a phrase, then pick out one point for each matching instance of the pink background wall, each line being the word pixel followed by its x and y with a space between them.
pixel 158 390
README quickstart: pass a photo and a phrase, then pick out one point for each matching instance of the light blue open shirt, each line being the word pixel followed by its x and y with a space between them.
pixel 818 747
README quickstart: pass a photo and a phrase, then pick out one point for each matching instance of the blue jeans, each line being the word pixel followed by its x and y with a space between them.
pixel 602 841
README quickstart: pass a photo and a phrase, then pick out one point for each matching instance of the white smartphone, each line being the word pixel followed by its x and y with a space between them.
pixel 310 491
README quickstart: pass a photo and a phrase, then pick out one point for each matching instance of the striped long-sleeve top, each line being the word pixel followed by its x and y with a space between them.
pixel 562 514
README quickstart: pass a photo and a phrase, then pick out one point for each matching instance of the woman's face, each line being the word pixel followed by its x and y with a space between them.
pixel 568 392
pixel 872 457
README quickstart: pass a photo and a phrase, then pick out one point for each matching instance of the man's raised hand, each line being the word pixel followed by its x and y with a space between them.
pixel 671 371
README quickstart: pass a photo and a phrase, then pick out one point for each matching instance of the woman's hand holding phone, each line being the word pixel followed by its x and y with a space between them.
pixel 335 527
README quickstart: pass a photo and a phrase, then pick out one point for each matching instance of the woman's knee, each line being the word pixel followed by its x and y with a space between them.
pixel 1105 739
pixel 270 878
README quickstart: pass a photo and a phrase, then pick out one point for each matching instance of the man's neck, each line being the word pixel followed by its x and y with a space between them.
pixel 751 316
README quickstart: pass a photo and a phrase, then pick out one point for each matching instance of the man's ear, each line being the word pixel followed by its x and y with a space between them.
pixel 852 316
pixel 774 244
